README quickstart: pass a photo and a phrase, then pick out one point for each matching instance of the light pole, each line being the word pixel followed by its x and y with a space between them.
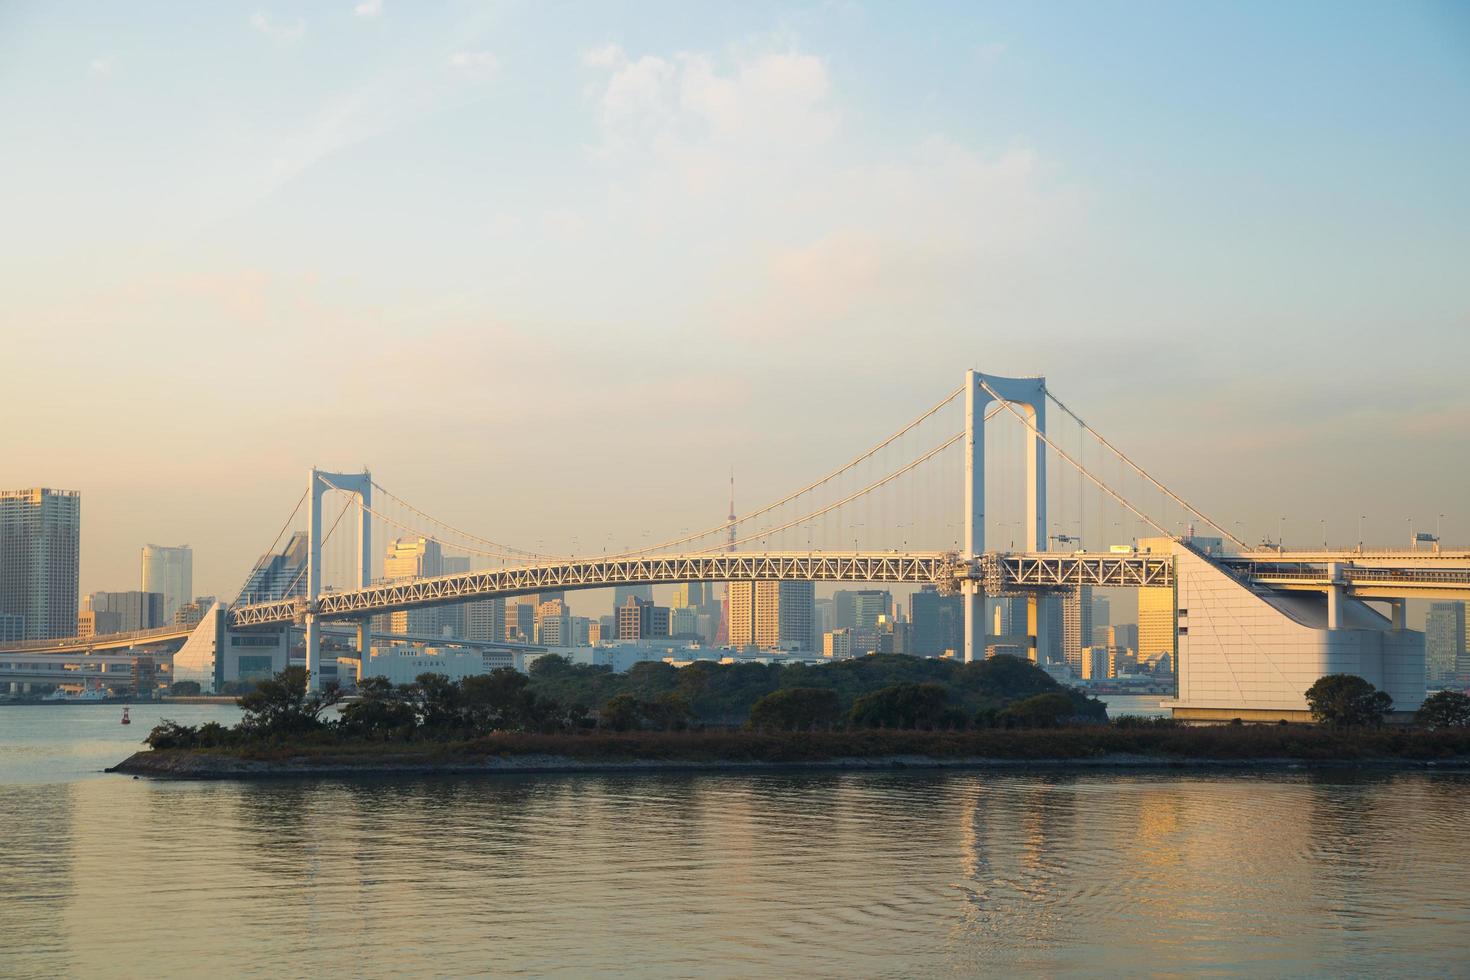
pixel 1281 534
pixel 1323 522
pixel 1361 519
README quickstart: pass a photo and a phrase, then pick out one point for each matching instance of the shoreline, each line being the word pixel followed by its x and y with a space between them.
pixel 186 764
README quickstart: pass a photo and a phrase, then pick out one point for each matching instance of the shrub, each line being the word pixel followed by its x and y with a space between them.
pixel 282 705
pixel 1040 711
pixel 184 688
pixel 169 734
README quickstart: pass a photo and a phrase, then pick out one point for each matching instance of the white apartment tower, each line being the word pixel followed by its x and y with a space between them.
pixel 40 550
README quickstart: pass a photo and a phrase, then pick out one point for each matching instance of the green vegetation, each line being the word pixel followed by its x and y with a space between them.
pixel 1347 701
pixel 1444 709
pixel 185 688
pixel 558 697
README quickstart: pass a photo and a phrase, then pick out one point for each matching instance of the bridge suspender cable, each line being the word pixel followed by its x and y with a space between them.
pixel 450 527
pixel 746 519
pixel 1076 465
pixel 1143 473
pixel 340 514
pixel 509 554
pixel 279 534
pixel 767 532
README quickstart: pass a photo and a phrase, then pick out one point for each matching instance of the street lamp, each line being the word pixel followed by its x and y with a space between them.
pixel 1361 519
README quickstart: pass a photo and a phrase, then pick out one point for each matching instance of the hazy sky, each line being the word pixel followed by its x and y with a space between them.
pixel 551 269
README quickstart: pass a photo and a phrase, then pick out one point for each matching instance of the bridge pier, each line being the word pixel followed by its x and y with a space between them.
pixel 1030 395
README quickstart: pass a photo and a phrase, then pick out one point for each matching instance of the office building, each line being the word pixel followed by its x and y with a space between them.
pixel 278 576
pixel 520 619
pixel 408 558
pixel 937 623
pixel 93 623
pixel 1155 622
pixel 773 615
pixel 640 619
pixel 868 606
pixel 40 552
pixel 1077 609
pixel 170 573
pixel 1097 664
pixel 1444 643
pixel 192 613
pixel 690 595
pixel 844 610
pixel 837 644
pixel 484 620
pixel 622 592
pixel 1102 611
pixel 1123 635
pixel 684 623
pixel 12 628
pixel 135 610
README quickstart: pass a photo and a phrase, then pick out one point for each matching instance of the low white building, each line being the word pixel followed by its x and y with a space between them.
pixel 1253 655
pixel 403 664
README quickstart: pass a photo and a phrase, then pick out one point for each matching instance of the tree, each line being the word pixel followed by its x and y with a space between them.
pixel 498 699
pixel 281 705
pixel 380 711
pixel 902 706
pixel 796 709
pixel 438 701
pixel 621 713
pixel 1444 709
pixel 1346 700
pixel 1040 711
pixel 184 688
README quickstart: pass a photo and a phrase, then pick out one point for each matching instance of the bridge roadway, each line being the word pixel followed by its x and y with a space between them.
pixel 1000 573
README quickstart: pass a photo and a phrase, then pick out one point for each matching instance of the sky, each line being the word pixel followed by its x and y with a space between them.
pixel 553 269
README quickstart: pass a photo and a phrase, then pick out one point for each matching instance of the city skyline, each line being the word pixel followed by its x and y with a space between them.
pixel 339 207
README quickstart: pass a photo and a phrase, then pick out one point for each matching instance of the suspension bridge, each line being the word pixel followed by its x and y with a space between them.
pixel 918 508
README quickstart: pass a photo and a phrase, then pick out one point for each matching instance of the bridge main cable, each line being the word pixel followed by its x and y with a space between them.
pixel 1075 465
pixel 1144 473
pixel 726 526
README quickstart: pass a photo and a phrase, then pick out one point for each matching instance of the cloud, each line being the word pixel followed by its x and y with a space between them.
pixel 477 65
pixel 607 56
pixel 281 33
pixel 100 67
pixel 368 9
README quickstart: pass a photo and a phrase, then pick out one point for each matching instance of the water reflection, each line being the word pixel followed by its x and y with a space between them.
pixel 820 873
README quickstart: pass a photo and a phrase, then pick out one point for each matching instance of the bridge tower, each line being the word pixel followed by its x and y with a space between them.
pixel 1028 396
pixel 359 485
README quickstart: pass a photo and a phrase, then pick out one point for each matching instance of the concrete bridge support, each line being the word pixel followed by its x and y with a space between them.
pixel 1029 397
pixel 359 485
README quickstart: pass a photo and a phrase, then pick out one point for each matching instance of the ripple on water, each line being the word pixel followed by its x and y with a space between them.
pixel 824 874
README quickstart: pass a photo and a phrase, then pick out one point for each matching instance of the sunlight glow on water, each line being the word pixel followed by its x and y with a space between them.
pixel 733 875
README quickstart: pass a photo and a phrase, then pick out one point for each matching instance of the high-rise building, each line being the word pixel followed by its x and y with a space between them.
pixel 1077 610
pixel 279 576
pixel 92 623
pixel 938 623
pixel 40 552
pixel 1123 635
pixel 520 619
pixel 684 623
pixel 844 610
pixel 621 593
pixel 773 615
pixel 414 558
pixel 1444 642
pixel 868 605
pixel 169 572
pixel 484 620
pixel 135 610
pixel 837 644
pixel 452 617
pixel 1102 611
pixel 12 628
pixel 1096 663
pixel 640 619
pixel 1155 622
pixel 690 595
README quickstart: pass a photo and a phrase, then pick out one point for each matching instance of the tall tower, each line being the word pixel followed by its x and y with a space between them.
pixel 40 548
pixel 169 572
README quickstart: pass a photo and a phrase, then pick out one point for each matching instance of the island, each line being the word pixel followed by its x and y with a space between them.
pixel 876 712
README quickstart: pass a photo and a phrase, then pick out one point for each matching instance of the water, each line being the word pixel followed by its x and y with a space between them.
pixel 959 874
